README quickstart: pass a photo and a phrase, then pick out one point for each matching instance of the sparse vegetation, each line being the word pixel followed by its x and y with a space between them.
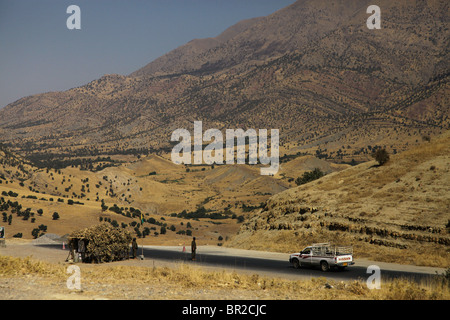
pixel 309 176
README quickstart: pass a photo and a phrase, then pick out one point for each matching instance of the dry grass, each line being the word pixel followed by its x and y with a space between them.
pixel 12 266
pixel 392 213
pixel 186 278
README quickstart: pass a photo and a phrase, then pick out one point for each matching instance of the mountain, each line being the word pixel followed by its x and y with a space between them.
pixel 313 70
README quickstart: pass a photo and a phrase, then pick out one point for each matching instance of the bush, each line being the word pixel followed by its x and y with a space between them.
pixel 309 176
pixel 381 155
pixel 55 216
pixel 35 233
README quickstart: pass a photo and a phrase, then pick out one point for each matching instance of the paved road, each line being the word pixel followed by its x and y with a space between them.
pixel 275 264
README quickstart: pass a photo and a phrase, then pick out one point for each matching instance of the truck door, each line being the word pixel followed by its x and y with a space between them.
pixel 305 257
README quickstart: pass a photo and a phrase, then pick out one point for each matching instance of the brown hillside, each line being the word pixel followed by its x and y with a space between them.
pixel 396 212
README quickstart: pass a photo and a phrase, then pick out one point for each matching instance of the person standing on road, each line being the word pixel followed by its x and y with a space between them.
pixel 134 247
pixel 193 249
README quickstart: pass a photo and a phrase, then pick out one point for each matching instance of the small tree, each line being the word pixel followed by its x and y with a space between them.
pixel 35 233
pixel 309 176
pixel 381 155
pixel 55 216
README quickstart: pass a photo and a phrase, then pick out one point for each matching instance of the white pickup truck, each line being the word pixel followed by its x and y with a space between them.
pixel 323 255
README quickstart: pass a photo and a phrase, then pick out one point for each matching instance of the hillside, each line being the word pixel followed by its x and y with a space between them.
pixel 206 201
pixel 312 70
pixel 395 212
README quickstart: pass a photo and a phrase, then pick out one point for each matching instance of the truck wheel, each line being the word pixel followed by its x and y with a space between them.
pixel 296 264
pixel 324 266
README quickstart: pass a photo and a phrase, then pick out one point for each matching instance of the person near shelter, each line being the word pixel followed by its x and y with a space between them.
pixel 193 249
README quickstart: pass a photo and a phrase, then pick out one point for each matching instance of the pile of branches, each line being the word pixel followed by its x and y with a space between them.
pixel 102 243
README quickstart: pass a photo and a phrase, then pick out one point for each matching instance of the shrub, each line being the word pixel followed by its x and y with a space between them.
pixel 35 233
pixel 381 155
pixel 55 216
pixel 309 176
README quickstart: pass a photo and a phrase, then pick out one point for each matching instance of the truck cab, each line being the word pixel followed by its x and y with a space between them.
pixel 302 259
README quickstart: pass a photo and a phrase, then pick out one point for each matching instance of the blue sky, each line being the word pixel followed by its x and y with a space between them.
pixel 39 54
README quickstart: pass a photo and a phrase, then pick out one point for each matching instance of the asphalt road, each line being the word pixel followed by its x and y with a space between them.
pixel 275 264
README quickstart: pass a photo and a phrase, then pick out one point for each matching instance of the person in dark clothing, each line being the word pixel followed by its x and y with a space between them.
pixel 134 247
pixel 193 249
pixel 72 250
pixel 82 249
